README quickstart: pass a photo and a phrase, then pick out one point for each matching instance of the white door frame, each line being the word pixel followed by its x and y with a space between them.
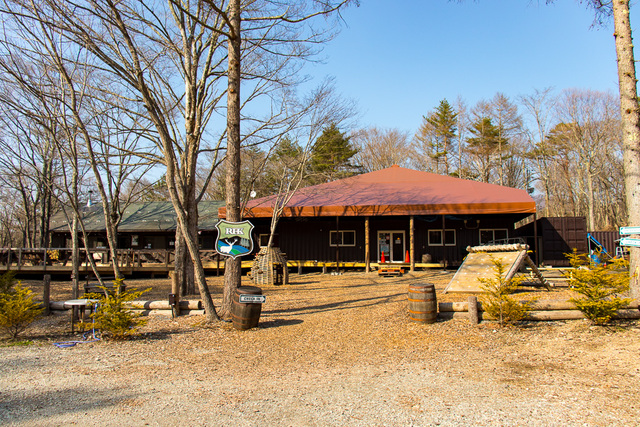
pixel 391 233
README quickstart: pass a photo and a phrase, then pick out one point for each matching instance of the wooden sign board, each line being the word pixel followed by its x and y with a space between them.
pixel 255 299
pixel 629 230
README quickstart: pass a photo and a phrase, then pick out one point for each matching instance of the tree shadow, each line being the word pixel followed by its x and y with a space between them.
pixel 297 282
pixel 340 305
pixel 275 323
pixel 38 406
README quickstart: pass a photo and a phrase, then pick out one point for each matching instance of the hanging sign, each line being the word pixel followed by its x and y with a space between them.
pixel 629 230
pixel 234 238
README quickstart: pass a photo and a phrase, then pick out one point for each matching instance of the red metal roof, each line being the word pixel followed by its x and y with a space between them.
pixel 398 191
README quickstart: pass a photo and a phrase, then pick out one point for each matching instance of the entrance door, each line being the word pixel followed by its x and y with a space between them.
pixel 391 243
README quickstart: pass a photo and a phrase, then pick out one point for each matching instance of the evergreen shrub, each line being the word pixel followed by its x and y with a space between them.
pixel 600 286
pixel 498 301
pixel 112 317
pixel 7 280
pixel 17 310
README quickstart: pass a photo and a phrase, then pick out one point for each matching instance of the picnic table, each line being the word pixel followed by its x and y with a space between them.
pixel 78 309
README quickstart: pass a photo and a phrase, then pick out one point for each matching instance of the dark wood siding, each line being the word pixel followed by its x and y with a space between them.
pixel 557 236
pixel 307 239
pixel 560 236
pixel 608 239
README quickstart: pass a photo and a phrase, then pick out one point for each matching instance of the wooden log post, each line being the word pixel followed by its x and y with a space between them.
pixel 367 243
pixel 46 294
pixel 412 245
pixel 175 290
pixel 472 303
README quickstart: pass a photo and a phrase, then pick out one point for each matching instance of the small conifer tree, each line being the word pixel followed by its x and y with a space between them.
pixel 600 285
pixel 498 302
pixel 112 316
pixel 7 280
pixel 17 310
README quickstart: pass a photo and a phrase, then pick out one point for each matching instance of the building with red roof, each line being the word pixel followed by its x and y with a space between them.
pixel 395 211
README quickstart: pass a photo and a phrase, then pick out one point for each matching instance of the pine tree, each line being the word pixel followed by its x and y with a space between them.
pixel 331 155
pixel 283 163
pixel 438 133
pixel 484 145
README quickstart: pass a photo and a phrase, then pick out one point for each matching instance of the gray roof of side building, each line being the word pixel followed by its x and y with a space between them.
pixel 142 217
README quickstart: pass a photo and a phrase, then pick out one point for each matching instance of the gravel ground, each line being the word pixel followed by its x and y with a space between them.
pixel 329 350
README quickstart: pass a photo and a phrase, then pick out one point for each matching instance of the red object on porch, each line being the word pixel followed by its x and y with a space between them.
pixel 382 259
pixel 407 259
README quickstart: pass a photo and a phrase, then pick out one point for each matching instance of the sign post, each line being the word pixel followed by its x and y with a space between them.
pixel 629 230
pixel 630 241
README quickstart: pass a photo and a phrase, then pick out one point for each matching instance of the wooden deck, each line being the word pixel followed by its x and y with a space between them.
pixel 57 261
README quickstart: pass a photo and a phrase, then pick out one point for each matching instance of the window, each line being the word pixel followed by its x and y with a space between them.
pixel 435 237
pixel 264 240
pixel 342 238
pixel 488 235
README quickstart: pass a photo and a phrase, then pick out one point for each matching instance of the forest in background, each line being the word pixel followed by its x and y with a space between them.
pixel 563 148
pixel 102 102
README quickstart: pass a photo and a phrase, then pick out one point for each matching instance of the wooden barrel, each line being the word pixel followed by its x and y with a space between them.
pixel 245 315
pixel 423 306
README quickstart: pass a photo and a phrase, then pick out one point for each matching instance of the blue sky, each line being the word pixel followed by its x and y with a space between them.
pixel 398 59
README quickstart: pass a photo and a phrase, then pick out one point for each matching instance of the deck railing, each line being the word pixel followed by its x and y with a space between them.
pixel 28 258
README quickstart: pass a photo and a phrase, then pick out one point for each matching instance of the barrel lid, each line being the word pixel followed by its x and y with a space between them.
pixel 421 286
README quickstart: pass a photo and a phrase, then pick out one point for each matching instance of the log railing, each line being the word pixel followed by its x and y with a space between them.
pixel 28 258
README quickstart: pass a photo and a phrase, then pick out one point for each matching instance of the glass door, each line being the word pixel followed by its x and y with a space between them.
pixel 391 244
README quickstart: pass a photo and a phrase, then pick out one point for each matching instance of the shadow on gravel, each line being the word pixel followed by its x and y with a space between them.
pixel 341 305
pixel 279 322
pixel 298 283
pixel 324 288
pixel 158 335
pixel 38 406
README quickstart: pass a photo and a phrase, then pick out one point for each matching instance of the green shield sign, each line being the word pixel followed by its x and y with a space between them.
pixel 234 238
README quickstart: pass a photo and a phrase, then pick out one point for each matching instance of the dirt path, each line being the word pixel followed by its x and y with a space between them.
pixel 330 350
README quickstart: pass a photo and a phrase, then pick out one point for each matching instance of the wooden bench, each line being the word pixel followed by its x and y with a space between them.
pixel 109 285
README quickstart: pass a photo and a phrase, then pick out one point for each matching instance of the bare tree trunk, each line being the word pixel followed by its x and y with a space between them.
pixel 233 267
pixel 591 223
pixel 75 258
pixel 184 270
pixel 630 113
pixel 189 268
pixel 179 262
pixel 45 216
